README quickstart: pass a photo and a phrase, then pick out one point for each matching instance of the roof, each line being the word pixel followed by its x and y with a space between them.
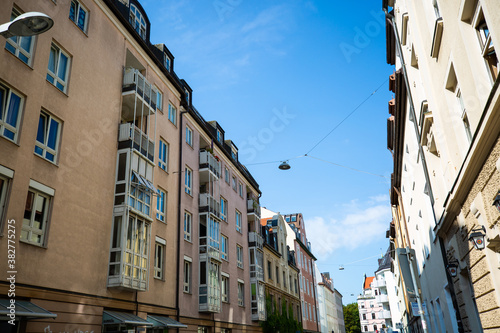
pixel 368 282
pixel 385 261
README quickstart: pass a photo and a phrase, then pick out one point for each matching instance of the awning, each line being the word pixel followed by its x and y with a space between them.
pixel 25 309
pixel 115 317
pixel 165 322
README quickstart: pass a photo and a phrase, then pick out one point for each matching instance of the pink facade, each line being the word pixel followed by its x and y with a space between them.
pixel 369 309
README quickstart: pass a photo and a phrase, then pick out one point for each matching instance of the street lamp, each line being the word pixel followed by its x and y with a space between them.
pixel 452 267
pixel 477 237
pixel 27 24
pixel 284 166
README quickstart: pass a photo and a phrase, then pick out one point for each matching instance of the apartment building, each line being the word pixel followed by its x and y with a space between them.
pixel 330 308
pixel 443 132
pixel 113 181
pixel 369 307
pixel 338 320
pixel 281 275
pixel 385 292
pixel 305 262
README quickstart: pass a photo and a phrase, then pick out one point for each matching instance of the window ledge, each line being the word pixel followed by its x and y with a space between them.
pixel 52 85
pixel 83 32
pixel 436 39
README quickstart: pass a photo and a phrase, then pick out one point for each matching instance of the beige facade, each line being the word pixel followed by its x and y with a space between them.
pixel 449 70
pixel 101 156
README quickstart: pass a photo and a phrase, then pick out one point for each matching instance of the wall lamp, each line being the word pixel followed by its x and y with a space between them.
pixel 27 24
pixel 496 202
pixel 452 267
pixel 477 237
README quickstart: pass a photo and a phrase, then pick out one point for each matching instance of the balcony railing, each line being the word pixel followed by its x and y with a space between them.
pixel 138 140
pixel 378 283
pixel 209 162
pixel 254 239
pixel 134 80
pixel 207 203
pixel 382 299
pixel 384 314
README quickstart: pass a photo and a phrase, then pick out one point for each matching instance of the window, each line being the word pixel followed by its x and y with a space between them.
pixel 465 119
pixel 172 114
pixel 47 138
pixel 234 183
pixel 277 275
pixel 225 254
pixel 284 280
pixel 167 61
pixel 241 293
pixel 240 189
pixel 487 48
pixel 58 68
pixel 223 209
pixel 187 275
pixel 137 20
pixel 78 15
pixel 21 47
pixel 269 271
pixel 226 175
pixel 238 221
pixel 159 100
pixel 225 288
pixel 239 256
pixel 188 181
pixel 161 204
pixel 219 135
pixel 140 196
pixel 5 176
pixel 366 328
pixel 136 251
pixel 375 327
pixel 202 329
pixel 159 258
pixel 189 136
pixel 36 214
pixel 364 316
pixel 187 226
pixel 11 105
pixel 294 218
pixel 295 283
pixel 163 155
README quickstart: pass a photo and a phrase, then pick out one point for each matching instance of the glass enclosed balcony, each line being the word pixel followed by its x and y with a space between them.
pixel 130 136
pixel 209 166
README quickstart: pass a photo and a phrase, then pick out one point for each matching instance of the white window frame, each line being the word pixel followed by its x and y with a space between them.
pixel 39 192
pixel 52 77
pixel 140 196
pixel 234 183
pixel 167 62
pixel 224 248
pixel 8 130
pixel 159 264
pixel 5 179
pixel 240 189
pixel 241 293
pixel 225 287
pixel 159 100
pixel 238 218
pixel 42 148
pixel 226 175
pixel 239 256
pixel 189 136
pixel 223 209
pixel 161 211
pixel 79 8
pixel 136 18
pixel 163 150
pixel 17 44
pixel 188 225
pixel 187 273
pixel 188 180
pixel 172 114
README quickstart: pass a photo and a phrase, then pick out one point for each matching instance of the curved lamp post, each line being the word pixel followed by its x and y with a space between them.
pixel 27 24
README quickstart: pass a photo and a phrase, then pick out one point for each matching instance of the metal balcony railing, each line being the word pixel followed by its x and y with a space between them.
pixel 138 140
pixel 210 162
pixel 134 80
pixel 255 238
pixel 207 203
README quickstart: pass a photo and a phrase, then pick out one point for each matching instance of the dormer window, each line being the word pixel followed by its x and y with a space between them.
pixel 187 97
pixel 167 61
pixel 136 18
pixel 219 136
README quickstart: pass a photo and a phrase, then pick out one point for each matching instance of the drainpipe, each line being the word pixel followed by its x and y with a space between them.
pixel 424 162
pixel 179 220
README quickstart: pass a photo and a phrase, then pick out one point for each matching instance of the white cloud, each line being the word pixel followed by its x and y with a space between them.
pixel 361 226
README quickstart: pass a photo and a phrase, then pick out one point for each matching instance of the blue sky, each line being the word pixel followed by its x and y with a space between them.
pixel 278 76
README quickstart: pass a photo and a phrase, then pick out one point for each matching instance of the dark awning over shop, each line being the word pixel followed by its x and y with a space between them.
pixel 115 317
pixel 24 309
pixel 165 322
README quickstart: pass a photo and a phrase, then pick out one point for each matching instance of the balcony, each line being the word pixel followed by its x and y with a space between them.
pixel 255 240
pixel 382 299
pixel 379 284
pixel 209 165
pixel 209 204
pixel 137 92
pixel 384 314
pixel 253 210
pixel 131 136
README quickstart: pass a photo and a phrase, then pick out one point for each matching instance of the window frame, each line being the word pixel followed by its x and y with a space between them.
pixel 188 181
pixel 189 136
pixel 137 16
pixel 14 44
pixel 5 105
pixel 54 78
pixel 241 293
pixel 38 190
pixel 159 260
pixel 234 183
pixel 76 18
pixel 240 189
pixel 187 274
pixel 163 150
pixel 159 100
pixel 224 247
pixel 43 146
pixel 188 226
pixel 239 256
pixel 238 221
pixel 225 287
pixel 227 176
pixel 172 114
pixel 161 212
pixel 223 209
pixel 6 176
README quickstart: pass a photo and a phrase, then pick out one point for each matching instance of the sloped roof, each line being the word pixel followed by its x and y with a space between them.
pixel 368 282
